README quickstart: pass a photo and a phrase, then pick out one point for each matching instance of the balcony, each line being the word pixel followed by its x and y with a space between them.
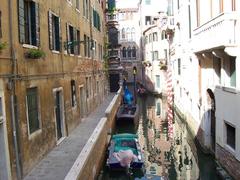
pixel 113 53
pixel 219 32
pixel 112 18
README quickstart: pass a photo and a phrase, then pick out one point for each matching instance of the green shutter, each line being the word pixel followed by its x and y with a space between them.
pixel 67 38
pixel 21 21
pixel 60 35
pixel 0 24
pixel 32 104
pixel 50 30
pixel 74 40
pixel 37 24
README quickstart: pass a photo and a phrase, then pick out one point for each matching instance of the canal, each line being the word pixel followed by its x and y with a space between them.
pixel 165 158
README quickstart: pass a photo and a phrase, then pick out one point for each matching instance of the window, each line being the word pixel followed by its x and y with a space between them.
pixel 155 55
pixel 70 38
pixel 124 52
pixel 28 15
pixel 85 8
pixel 54 31
pixel 147 20
pixel 147 2
pixel 164 35
pixel 133 34
pixel 96 20
pixel 88 47
pixel 232 71
pixel 158 81
pixel 73 92
pixel 166 54
pixel 189 22
pixel 123 34
pixel 231 135
pixel 85 45
pixel 128 34
pixel 146 39
pixel 77 5
pixel 134 52
pixel 158 112
pixel 87 90
pixel 78 44
pixel 32 110
pixel 129 52
pixel 150 38
pixel 155 36
pixel 0 24
pixel 179 66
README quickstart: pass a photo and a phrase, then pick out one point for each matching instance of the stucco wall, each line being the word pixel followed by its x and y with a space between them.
pixel 55 70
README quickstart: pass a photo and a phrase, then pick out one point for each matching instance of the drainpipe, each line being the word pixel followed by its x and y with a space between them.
pixel 13 94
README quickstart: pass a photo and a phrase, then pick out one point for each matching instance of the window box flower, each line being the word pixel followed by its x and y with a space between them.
pixel 35 54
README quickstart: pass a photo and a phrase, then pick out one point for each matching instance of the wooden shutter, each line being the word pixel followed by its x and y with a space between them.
pixel 21 21
pixel 60 35
pixel 37 24
pixel 50 30
pixel 75 39
pixel 67 38
pixel 0 24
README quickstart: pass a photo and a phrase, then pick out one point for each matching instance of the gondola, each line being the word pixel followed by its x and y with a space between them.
pixel 124 152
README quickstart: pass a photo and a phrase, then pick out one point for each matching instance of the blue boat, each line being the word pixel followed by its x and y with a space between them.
pixel 128 110
pixel 125 152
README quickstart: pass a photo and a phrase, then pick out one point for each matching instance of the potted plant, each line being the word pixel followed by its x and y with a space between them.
pixel 3 45
pixel 35 54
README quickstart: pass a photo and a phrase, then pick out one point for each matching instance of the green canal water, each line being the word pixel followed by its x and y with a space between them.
pixel 178 158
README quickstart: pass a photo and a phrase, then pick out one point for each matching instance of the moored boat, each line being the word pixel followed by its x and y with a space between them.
pixel 127 112
pixel 125 152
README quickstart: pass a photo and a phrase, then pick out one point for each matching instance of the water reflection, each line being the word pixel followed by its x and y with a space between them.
pixel 165 158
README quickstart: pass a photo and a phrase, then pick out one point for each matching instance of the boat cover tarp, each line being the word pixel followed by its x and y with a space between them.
pixel 125 157
pixel 128 97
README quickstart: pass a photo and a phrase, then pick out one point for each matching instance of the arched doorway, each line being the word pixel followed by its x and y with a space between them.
pixel 211 109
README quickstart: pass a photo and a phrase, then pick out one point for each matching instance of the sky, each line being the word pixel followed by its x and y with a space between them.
pixel 127 3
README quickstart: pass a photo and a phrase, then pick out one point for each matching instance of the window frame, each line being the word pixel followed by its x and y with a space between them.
pixel 0 24
pixel 30 133
pixel 227 124
pixel 78 5
pixel 31 23
pixel 73 94
pixel 52 24
pixel 158 81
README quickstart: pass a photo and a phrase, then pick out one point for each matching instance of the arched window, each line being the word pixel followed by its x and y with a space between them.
pixel 128 34
pixel 129 52
pixel 124 53
pixel 133 34
pixel 123 33
pixel 163 35
pixel 134 52
pixel 146 39
pixel 155 36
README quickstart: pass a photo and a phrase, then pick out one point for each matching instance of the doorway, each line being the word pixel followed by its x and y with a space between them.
pixel 59 115
pixel 210 120
pixel 4 157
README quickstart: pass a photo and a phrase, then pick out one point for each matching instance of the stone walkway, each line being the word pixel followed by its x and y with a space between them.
pixel 59 161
